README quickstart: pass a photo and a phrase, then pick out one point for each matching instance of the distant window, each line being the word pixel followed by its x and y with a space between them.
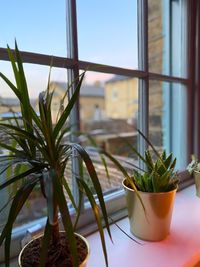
pixel 97 113
pixel 114 94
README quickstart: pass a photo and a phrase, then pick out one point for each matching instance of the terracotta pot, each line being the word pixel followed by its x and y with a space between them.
pixel 197 182
pixel 83 264
pixel 153 224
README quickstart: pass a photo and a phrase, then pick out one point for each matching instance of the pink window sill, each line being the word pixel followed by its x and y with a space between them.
pixel 180 249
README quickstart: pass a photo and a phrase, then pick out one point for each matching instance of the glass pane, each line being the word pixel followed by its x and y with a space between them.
pixel 107 32
pixel 167 37
pixel 37 77
pixel 38 26
pixel 167 119
pixel 156 118
pixel 108 111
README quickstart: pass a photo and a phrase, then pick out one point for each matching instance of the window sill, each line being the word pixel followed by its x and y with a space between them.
pixel 177 250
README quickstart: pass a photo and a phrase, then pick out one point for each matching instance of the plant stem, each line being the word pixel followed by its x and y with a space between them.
pixel 55 229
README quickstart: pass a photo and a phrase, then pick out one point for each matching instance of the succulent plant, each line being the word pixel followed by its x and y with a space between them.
pixel 158 174
pixel 194 165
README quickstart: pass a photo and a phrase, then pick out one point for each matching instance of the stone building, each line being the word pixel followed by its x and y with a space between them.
pixel 8 104
pixel 121 98
pixel 92 103
pixel 155 35
pixel 156 56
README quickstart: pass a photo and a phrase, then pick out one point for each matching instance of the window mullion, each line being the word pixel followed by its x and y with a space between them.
pixel 191 7
pixel 72 52
pixel 143 64
pixel 197 86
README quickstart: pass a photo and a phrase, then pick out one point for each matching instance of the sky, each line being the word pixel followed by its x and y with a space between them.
pixel 107 34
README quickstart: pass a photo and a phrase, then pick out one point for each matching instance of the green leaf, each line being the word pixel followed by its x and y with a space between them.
pixel 14 66
pixel 126 175
pixel 11 85
pixel 68 108
pixel 35 118
pixel 163 156
pixel 93 175
pixel 79 208
pixel 134 150
pixel 10 148
pixel 65 215
pixel 116 162
pixel 25 100
pixel 168 161
pixel 19 132
pixel 173 164
pixel 93 142
pixel 149 143
pixel 7 248
pixel 69 193
pixel 20 176
pixel 48 186
pixel 6 204
pixel 96 212
pixel 47 129
pixel 45 244
pixel 149 161
pixel 154 179
pixel 17 203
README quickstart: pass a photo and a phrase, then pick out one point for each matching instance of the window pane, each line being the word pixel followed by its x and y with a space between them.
pixel 167 37
pixel 37 77
pixel 167 124
pixel 38 26
pixel 108 110
pixel 107 32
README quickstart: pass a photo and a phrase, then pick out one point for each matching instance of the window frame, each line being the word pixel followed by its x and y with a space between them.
pixel 115 202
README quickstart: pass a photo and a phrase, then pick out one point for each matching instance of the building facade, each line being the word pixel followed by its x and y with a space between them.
pixel 121 98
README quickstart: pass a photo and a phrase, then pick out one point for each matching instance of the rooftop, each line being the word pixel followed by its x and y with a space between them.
pixel 86 90
pixel 118 78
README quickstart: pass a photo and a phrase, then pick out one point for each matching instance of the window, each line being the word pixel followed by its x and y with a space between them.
pixel 139 53
pixel 114 94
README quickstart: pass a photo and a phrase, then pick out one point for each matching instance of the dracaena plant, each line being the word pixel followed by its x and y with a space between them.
pixel 158 174
pixel 41 146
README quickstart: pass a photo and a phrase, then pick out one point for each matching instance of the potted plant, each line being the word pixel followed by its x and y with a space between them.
pixel 194 168
pixel 40 146
pixel 150 193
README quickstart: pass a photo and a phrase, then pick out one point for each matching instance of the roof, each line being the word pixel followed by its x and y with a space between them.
pixel 92 90
pixel 12 102
pixel 8 101
pixel 118 78
pixel 109 126
pixel 86 90
pixel 10 115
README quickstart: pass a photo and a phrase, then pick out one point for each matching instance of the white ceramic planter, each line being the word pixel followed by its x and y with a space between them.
pixel 83 264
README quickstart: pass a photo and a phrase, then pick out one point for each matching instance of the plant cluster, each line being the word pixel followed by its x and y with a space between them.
pixel 159 174
pixel 194 165
pixel 41 146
